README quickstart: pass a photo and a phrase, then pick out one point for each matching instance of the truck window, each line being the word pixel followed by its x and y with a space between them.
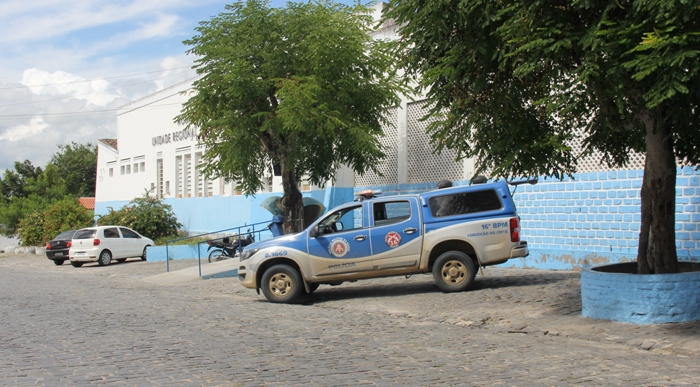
pixel 341 220
pixel 391 212
pixel 464 203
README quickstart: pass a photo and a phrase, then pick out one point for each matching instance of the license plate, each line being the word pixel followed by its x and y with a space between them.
pixel 58 254
pixel 80 253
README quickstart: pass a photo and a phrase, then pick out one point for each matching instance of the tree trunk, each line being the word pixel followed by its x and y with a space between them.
pixel 657 238
pixel 292 203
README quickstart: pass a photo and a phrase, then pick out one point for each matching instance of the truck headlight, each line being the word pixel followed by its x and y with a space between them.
pixel 248 253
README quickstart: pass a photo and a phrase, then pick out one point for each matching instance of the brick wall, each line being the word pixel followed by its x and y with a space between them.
pixel 594 218
pixel 590 219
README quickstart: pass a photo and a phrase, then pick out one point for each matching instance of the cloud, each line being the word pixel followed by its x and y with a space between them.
pixel 60 83
pixel 160 26
pixel 65 66
pixel 24 21
pixel 21 132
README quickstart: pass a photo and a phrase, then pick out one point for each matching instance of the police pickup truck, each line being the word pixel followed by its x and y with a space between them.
pixel 448 232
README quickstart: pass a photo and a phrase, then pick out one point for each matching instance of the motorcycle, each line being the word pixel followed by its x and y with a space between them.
pixel 225 249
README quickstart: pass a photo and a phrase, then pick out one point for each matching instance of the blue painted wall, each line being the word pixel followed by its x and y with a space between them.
pixel 203 215
pixel 592 219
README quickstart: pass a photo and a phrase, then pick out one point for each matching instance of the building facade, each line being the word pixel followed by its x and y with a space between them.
pixel 590 218
pixel 152 154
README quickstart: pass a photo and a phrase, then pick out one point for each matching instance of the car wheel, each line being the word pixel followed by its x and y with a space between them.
pixel 454 271
pixel 121 260
pixel 105 258
pixel 216 255
pixel 144 256
pixel 76 264
pixel 281 283
pixel 58 262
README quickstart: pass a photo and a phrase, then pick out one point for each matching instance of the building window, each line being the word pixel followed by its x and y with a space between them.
pixel 142 166
pixel 128 169
pixel 159 177
pixel 188 176
pixel 200 182
pixel 122 170
pixel 111 172
pixel 183 181
pixel 136 168
pixel 179 174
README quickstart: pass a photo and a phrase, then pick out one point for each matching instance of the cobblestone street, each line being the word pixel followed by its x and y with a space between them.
pixel 106 326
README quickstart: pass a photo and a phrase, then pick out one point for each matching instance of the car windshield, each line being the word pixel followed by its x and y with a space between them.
pixel 85 234
pixel 66 235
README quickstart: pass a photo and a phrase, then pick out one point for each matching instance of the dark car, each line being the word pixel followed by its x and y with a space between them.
pixel 57 249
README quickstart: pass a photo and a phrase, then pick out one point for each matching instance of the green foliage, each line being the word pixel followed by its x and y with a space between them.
pixel 512 83
pixel 31 229
pixel 30 190
pixel 303 87
pixel 66 214
pixel 147 215
pixel 38 227
pixel 77 165
pixel 13 182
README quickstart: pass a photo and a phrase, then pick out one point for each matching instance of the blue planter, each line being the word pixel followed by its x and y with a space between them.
pixel 615 292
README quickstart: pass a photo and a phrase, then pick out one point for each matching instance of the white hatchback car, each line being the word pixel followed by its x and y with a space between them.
pixel 104 243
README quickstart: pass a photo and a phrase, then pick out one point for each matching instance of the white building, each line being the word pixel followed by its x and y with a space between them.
pixel 152 153
pixel 593 217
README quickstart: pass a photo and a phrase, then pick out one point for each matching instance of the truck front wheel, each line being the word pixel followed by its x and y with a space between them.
pixel 454 271
pixel 282 284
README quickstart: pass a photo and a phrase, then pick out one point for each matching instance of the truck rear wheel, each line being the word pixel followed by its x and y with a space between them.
pixel 454 271
pixel 281 284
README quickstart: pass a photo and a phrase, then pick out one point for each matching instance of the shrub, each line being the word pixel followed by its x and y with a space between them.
pixel 31 229
pixel 39 227
pixel 147 215
pixel 66 214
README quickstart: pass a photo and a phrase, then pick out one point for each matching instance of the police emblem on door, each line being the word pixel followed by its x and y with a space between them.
pixel 339 247
pixel 393 239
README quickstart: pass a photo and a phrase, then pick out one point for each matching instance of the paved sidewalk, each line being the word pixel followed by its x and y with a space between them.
pixel 511 301
pixel 114 326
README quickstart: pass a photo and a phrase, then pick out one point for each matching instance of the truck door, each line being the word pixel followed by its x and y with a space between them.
pixel 341 245
pixel 396 233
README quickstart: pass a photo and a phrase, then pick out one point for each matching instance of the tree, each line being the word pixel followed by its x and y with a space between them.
pixel 27 190
pixel 77 165
pixel 302 87
pixel 512 82
pixel 38 227
pixel 13 182
pixel 147 215
pixel 66 214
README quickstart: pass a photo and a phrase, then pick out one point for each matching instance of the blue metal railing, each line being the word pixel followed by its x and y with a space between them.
pixel 255 228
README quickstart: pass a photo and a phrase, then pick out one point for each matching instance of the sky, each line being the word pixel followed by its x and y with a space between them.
pixel 67 65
